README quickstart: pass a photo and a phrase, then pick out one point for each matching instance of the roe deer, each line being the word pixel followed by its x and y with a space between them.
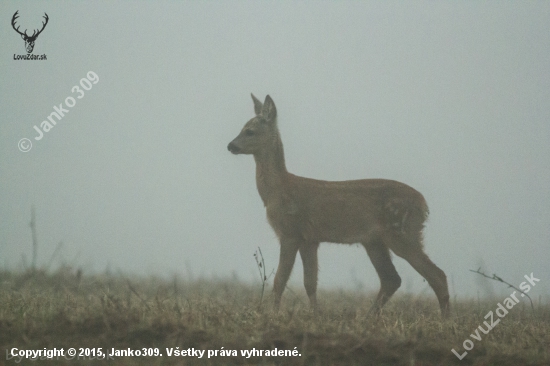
pixel 380 214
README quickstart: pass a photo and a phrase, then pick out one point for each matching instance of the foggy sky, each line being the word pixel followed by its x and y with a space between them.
pixel 451 98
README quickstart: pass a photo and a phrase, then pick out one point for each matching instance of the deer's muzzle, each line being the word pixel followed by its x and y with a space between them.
pixel 233 148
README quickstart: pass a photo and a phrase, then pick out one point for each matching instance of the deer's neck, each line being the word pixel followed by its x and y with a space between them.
pixel 271 173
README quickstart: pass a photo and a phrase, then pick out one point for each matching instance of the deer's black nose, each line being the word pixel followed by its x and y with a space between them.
pixel 233 148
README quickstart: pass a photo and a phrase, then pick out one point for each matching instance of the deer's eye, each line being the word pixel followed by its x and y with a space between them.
pixel 249 132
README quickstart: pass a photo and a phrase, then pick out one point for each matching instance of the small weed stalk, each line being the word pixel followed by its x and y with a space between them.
pixel 497 278
pixel 260 263
pixel 32 224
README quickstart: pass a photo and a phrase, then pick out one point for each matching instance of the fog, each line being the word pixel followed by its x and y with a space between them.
pixel 451 98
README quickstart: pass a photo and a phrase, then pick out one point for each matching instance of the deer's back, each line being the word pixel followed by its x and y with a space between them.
pixel 346 211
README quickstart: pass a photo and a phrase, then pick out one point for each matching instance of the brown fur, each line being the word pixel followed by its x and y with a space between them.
pixel 380 214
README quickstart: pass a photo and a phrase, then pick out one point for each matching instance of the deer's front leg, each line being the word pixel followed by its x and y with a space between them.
pixel 308 252
pixel 289 248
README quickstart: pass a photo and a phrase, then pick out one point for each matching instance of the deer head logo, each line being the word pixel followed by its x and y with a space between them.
pixel 29 40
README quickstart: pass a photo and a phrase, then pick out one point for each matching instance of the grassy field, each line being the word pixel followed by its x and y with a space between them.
pixel 65 309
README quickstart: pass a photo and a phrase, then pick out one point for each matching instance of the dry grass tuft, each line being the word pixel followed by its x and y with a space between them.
pixel 64 309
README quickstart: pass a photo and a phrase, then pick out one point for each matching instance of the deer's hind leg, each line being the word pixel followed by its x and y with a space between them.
pixel 412 252
pixel 389 278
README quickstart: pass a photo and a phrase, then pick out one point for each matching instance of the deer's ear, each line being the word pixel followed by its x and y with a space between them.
pixel 269 111
pixel 257 105
pixel 23 36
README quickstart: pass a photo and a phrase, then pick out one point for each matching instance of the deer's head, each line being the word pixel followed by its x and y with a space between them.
pixel 259 132
pixel 29 40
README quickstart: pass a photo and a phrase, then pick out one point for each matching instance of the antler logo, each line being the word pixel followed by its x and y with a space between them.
pixel 29 40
